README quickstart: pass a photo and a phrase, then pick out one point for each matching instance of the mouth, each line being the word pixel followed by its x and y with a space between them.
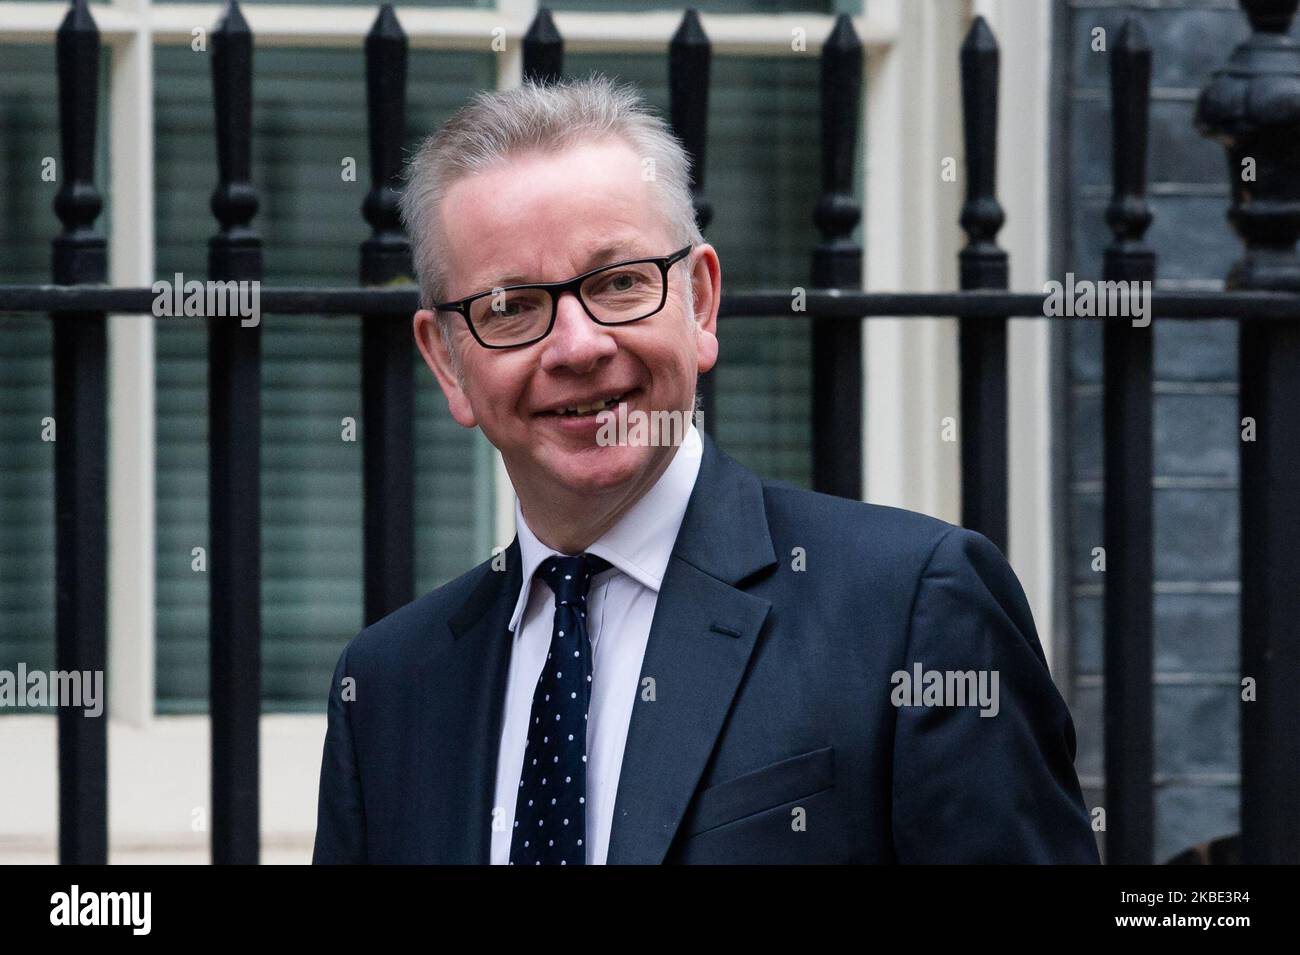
pixel 588 409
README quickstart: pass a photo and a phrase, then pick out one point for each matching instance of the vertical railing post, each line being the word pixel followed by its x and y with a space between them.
pixel 234 446
pixel 1127 414
pixel 543 50
pixel 690 57
pixel 1252 107
pixel 982 342
pixel 388 375
pixel 80 451
pixel 837 263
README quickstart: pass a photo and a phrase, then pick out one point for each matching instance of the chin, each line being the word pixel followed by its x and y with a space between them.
pixel 597 469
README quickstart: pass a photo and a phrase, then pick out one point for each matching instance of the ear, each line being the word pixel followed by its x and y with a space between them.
pixel 428 338
pixel 706 284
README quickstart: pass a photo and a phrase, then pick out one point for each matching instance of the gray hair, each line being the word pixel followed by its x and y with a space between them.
pixel 497 124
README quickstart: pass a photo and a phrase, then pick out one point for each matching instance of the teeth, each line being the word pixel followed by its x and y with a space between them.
pixel 589 408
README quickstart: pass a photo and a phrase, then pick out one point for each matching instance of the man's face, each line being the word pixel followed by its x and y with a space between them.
pixel 542 218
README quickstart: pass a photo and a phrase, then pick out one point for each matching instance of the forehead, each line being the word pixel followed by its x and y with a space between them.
pixel 545 216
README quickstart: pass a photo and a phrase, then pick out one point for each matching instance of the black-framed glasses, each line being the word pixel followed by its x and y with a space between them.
pixel 616 294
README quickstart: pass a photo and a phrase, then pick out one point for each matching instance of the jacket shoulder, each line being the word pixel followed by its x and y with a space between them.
pixel 852 527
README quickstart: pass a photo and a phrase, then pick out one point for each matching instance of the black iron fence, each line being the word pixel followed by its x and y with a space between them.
pixel 1252 106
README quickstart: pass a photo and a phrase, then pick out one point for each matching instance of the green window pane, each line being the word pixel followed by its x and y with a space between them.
pixel 309 117
pixel 29 118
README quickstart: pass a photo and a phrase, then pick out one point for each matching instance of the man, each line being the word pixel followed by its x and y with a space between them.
pixel 674 660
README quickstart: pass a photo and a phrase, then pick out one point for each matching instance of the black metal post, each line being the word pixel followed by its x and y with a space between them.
pixel 982 345
pixel 1252 107
pixel 1127 404
pixel 80 450
pixel 388 375
pixel 837 263
pixel 543 49
pixel 234 446
pixel 690 57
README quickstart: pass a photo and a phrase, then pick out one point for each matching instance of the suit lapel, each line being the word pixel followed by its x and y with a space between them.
pixel 463 693
pixel 701 638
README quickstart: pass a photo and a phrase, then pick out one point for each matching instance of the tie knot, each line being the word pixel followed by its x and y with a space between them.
pixel 570 577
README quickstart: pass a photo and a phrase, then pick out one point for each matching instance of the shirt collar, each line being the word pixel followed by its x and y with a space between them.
pixel 642 541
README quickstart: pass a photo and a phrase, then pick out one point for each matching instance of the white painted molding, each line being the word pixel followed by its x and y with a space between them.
pixel 131 380
pixel 1023 31
pixel 912 239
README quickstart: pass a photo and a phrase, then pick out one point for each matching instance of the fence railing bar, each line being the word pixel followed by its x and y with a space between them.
pixel 982 346
pixel 1127 425
pixel 387 371
pixel 837 262
pixel 80 451
pixel 235 462
pixel 826 304
pixel 690 58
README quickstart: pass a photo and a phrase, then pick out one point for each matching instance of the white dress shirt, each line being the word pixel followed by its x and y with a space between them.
pixel 620 606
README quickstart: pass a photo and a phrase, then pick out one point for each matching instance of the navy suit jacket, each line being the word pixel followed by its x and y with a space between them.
pixel 770 734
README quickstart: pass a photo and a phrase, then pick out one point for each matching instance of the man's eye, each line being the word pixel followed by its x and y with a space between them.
pixel 621 282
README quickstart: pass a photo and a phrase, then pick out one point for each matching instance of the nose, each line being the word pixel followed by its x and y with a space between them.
pixel 576 342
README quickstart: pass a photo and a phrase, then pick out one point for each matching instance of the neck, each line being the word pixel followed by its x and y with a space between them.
pixel 570 523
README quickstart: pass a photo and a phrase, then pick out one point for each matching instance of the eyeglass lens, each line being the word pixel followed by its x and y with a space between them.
pixel 624 293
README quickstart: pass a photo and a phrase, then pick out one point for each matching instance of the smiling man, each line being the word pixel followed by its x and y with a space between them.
pixel 674 660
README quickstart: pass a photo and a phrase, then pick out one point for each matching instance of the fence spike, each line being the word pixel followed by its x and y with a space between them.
pixel 234 463
pixel 543 49
pixel 983 264
pixel 79 254
pixel 837 263
pixel 1128 214
pixel 235 252
pixel 1127 415
pixel 387 373
pixel 81 453
pixel 982 343
pixel 385 256
pixel 690 55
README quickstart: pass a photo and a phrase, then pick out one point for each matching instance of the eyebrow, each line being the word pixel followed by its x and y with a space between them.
pixel 607 254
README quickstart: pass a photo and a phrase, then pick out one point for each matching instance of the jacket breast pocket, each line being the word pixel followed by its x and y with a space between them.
pixel 786 781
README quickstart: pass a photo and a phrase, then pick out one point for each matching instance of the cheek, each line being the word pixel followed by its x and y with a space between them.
pixel 684 364
pixel 499 391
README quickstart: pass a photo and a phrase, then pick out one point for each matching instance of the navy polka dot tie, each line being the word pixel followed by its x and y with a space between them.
pixel 550 813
